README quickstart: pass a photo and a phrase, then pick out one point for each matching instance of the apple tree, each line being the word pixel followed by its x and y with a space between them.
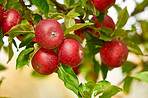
pixel 66 37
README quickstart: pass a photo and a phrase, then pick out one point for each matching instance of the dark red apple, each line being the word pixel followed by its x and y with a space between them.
pixel 49 33
pixel 45 61
pixel 107 22
pixel 114 53
pixel 1 14
pixel 76 70
pixel 79 32
pixel 70 52
pixel 103 5
pixel 11 18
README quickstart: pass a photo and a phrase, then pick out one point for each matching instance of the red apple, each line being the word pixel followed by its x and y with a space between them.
pixel 1 14
pixel 76 70
pixel 79 32
pixel 114 53
pixel 107 22
pixel 49 33
pixel 103 5
pixel 70 52
pixel 45 61
pixel 11 18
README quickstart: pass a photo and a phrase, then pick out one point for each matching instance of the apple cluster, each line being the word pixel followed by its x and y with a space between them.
pixel 50 35
pixel 56 50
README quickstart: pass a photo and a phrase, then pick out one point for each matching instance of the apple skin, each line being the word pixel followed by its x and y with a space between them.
pixel 114 53
pixel 76 70
pixel 70 52
pixel 49 33
pixel 103 5
pixel 11 18
pixel 1 14
pixel 80 31
pixel 107 22
pixel 45 61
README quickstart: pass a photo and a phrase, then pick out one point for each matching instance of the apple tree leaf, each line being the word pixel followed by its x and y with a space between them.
pixel 110 91
pixel 23 58
pixel 42 5
pixel 27 40
pixel 10 52
pixel 74 37
pixel 66 74
pixel 2 67
pixel 141 76
pixel 127 84
pixel 19 29
pixel 122 18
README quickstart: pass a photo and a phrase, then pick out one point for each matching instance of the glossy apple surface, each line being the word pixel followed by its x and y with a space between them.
pixel 45 61
pixel 114 53
pixel 70 52
pixel 49 33
pixel 1 14
pixel 11 18
pixel 103 5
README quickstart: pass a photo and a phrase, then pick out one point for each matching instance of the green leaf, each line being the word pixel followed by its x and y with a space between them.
pixel 128 66
pixel 10 52
pixel 37 75
pixel 37 18
pixel 141 76
pixel 120 33
pixel 74 37
pixel 101 86
pixel 1 35
pixel 2 67
pixel 76 27
pixel 132 46
pixel 66 74
pixel 122 18
pixel 23 58
pixel 127 84
pixel 104 37
pixel 42 5
pixel 110 91
pixel 73 15
pixel 104 70
pixel 96 66
pixel 14 42
pixel 28 39
pixel 69 3
pixel 19 29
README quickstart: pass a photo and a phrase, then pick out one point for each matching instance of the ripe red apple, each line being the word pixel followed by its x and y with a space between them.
pixel 49 33
pixel 114 53
pixel 79 32
pixel 103 5
pixel 1 14
pixel 70 52
pixel 11 18
pixel 107 22
pixel 45 61
pixel 76 70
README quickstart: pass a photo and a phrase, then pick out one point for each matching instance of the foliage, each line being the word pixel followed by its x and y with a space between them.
pixel 81 9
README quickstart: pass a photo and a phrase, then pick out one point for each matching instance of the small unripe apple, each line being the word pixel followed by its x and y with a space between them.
pixel 80 31
pixel 103 5
pixel 70 52
pixel 49 33
pixel 45 61
pixel 11 18
pixel 114 53
pixel 1 14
